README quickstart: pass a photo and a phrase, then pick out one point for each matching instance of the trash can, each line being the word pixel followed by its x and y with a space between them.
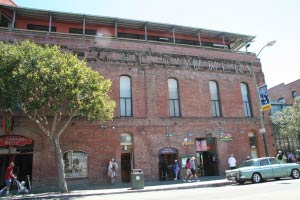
pixel 137 179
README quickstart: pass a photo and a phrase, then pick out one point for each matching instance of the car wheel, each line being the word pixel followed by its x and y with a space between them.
pixel 240 182
pixel 256 178
pixel 295 173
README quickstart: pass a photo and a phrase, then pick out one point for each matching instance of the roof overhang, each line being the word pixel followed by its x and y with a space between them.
pixel 236 41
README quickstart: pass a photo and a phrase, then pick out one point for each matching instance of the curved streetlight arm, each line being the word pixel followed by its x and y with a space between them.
pixel 267 45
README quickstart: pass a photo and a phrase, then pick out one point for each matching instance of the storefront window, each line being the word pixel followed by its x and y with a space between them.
pixel 75 164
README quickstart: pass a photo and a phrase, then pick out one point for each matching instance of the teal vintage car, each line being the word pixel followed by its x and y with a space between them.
pixel 259 169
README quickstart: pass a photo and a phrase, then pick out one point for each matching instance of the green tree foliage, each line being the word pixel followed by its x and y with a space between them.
pixel 52 87
pixel 288 120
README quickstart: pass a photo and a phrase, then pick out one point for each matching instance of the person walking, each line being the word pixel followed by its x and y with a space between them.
pixel 188 171
pixel 176 169
pixel 193 169
pixel 9 175
pixel 232 162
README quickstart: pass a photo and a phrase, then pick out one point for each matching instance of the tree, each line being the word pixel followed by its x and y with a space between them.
pixel 52 87
pixel 288 120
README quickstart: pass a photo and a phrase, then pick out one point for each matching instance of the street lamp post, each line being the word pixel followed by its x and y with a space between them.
pixel 261 119
pixel 267 45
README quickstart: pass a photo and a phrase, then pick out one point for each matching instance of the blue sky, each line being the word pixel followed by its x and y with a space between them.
pixel 266 19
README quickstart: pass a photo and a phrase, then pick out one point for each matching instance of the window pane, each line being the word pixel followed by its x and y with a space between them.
pixel 171 108
pixel 122 107
pixel 213 90
pixel 213 109
pixel 245 97
pixel 247 109
pixel 75 164
pixel 274 161
pixel 128 107
pixel 173 98
pixel 173 90
pixel 244 91
pixel 216 111
pixel 264 162
pixel 176 107
pixel 214 96
pixel 125 87
pixel 68 163
pixel 125 97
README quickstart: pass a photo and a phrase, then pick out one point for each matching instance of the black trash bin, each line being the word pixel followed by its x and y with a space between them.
pixel 137 179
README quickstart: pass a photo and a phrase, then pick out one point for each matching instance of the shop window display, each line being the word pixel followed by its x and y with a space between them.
pixel 75 164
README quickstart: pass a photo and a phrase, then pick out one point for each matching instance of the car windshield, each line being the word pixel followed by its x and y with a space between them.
pixel 249 163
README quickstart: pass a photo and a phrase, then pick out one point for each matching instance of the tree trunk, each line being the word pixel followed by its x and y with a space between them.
pixel 60 165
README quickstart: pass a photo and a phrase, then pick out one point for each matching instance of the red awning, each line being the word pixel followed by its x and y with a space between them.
pixel 14 140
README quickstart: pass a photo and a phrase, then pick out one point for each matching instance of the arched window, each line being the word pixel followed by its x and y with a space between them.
pixel 75 164
pixel 174 106
pixel 246 100
pixel 125 139
pixel 214 99
pixel 125 97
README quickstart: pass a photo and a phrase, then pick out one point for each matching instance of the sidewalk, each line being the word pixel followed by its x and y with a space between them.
pixel 210 181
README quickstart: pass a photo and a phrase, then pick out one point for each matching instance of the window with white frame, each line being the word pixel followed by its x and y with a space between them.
pixel 214 99
pixel 75 164
pixel 174 106
pixel 246 100
pixel 125 97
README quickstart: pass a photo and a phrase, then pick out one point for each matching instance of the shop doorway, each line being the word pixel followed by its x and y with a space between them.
pixel 207 164
pixel 22 159
pixel 167 157
pixel 206 157
pixel 126 166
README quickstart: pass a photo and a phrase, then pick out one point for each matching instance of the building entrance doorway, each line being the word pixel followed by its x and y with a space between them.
pixel 167 157
pixel 207 165
pixel 206 157
pixel 126 166
pixel 20 150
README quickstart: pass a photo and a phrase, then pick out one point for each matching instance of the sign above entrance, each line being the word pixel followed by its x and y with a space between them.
pixel 168 150
pixel 225 137
pixel 14 140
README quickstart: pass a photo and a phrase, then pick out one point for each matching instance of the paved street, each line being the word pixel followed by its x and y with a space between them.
pixel 272 190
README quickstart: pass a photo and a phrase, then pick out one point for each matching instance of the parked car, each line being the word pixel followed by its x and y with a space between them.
pixel 264 168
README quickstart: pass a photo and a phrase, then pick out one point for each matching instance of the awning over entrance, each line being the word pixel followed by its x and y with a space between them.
pixel 14 140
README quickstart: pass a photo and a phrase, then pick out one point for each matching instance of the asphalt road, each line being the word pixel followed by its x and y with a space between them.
pixel 271 190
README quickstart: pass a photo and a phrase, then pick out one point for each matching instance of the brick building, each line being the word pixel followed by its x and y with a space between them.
pixel 180 92
pixel 285 93
pixel 282 96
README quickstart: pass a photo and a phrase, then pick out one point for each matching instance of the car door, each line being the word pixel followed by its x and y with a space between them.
pixel 266 169
pixel 278 168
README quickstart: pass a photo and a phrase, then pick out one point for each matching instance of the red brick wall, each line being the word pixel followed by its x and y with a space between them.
pixel 150 110
pixel 285 91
